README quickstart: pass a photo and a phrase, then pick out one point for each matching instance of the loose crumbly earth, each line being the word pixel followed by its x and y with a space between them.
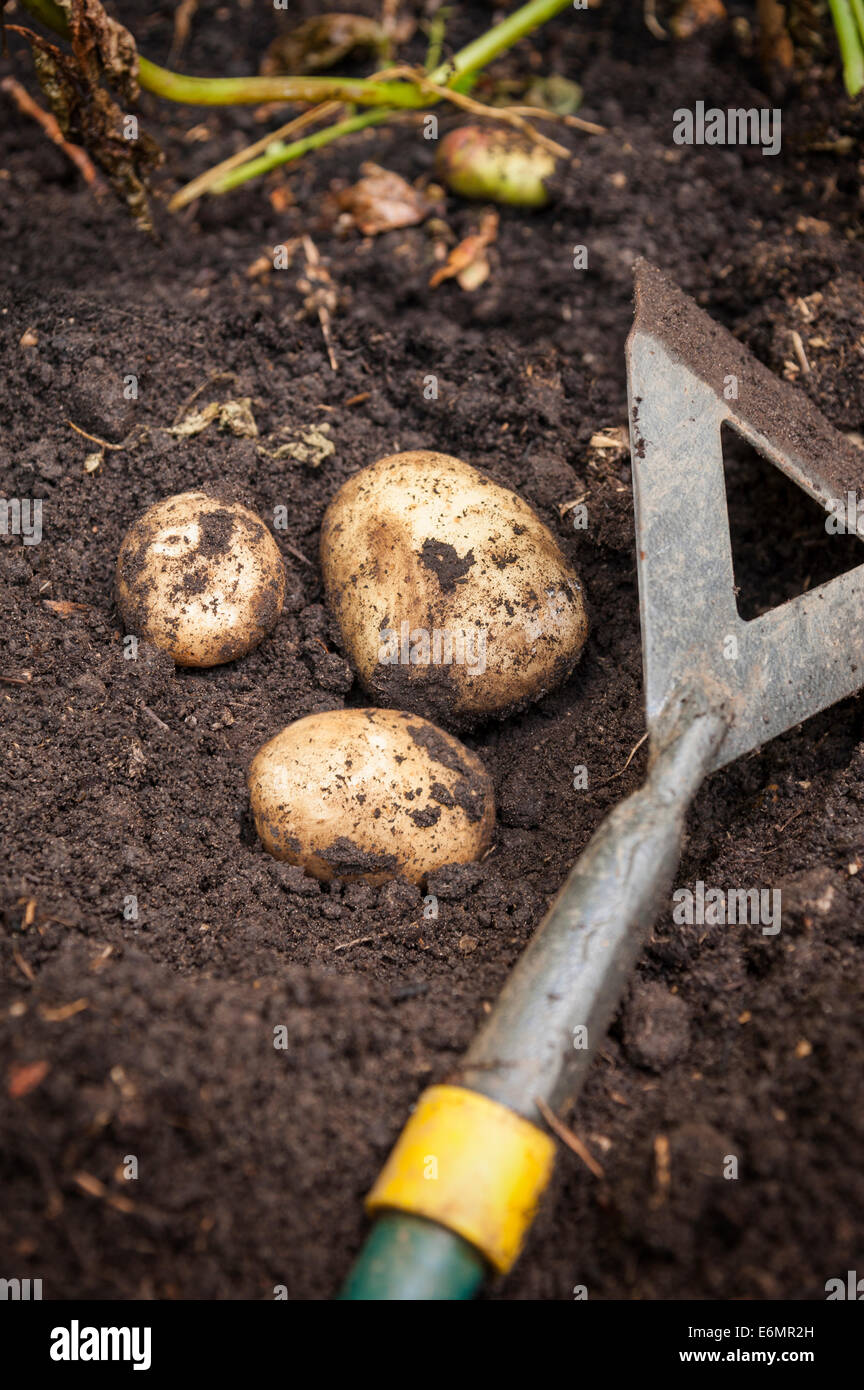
pixel 123 780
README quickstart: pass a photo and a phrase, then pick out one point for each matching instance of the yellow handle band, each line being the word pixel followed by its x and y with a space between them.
pixel 472 1165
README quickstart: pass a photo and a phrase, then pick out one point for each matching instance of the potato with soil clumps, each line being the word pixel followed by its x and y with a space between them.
pixel 453 598
pixel 370 794
pixel 201 578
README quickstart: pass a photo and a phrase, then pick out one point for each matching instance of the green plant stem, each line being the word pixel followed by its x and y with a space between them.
pixel 231 91
pixel 241 91
pixel 858 12
pixel 280 153
pixel 850 41
pixel 458 72
pixel 436 30
pixel 382 96
pixel 481 51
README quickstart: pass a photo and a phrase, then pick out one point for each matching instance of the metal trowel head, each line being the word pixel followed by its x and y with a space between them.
pixel 687 377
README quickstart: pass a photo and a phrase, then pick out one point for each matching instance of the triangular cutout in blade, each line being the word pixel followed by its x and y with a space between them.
pixel 687 377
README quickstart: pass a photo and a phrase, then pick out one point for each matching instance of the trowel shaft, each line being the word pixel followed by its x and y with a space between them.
pixel 555 1008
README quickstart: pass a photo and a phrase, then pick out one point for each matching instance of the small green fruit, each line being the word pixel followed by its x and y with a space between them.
pixel 496 165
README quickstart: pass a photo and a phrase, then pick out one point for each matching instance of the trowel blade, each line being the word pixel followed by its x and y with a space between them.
pixel 687 377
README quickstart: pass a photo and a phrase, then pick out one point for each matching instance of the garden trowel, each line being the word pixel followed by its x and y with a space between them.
pixel 458 1193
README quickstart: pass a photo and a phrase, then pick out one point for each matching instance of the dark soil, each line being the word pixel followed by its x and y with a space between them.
pixel 125 779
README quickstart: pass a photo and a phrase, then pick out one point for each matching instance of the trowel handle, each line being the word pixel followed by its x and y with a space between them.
pixel 557 1003
pixel 459 1191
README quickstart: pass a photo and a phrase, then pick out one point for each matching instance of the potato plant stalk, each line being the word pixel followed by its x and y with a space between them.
pixel 235 91
pixel 281 153
pixel 849 23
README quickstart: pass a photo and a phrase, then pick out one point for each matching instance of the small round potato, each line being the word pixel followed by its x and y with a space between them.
pixel 453 598
pixel 201 578
pixel 370 794
pixel 478 162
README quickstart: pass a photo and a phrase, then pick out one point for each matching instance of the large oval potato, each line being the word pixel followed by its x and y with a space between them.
pixel 201 578
pixel 370 794
pixel 453 598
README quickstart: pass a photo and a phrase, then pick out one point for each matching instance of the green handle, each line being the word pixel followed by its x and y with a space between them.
pixel 408 1259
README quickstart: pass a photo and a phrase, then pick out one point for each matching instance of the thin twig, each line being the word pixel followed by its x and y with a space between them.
pixel 298 554
pixel 94 439
pixel 183 16
pixel 541 114
pixel 800 352
pixel 652 23
pixel 633 751
pixel 358 941
pixel 478 108
pixel 321 288
pixel 663 1170
pixel 23 965
pixel 28 107
pixel 567 1137
pixel 156 720
pixel 200 185
pixel 215 378
pixel 278 153
pixel 799 812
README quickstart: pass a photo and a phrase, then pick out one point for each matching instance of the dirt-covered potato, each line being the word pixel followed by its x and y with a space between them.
pixel 370 793
pixel 200 577
pixel 453 598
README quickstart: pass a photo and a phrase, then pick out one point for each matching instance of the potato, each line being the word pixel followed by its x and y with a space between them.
pixel 452 597
pixel 500 165
pixel 370 794
pixel 200 577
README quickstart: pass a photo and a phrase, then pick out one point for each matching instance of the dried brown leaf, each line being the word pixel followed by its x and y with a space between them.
pixel 235 416
pixel 64 1011
pixel 321 43
pixel 86 111
pixel 468 262
pixel 102 46
pixel 65 608
pixel 382 200
pixel 24 1077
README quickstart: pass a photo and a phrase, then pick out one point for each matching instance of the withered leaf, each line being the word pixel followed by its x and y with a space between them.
pixel 321 43
pixel 102 45
pixel 310 446
pixel 235 416
pixel 468 262
pixel 24 1077
pixel 382 200
pixel 65 608
pixel 87 113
